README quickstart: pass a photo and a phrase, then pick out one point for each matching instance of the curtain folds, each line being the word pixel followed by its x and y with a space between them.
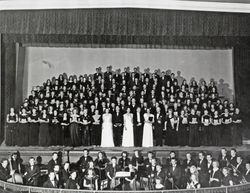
pixel 125 22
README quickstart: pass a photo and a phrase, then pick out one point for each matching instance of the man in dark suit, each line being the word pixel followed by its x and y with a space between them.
pixel 159 126
pixel 53 162
pixel 203 170
pixel 51 182
pixel 138 127
pixel 175 174
pixel 59 176
pixel 31 173
pixel 117 119
pixel 84 160
pixel 118 78
pixel 247 173
pixel 5 173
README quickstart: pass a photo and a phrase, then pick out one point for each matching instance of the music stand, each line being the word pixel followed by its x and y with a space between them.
pixel 122 175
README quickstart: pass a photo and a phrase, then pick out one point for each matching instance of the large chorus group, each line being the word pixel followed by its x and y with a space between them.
pixel 124 109
pixel 197 170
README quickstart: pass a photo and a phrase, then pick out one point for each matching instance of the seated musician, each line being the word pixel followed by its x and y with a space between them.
pixel 32 172
pixel 71 183
pixel 5 173
pixel 15 163
pixel 226 179
pixel 151 170
pixel 84 160
pixel 58 175
pixel 138 162
pixel 65 172
pixel 175 174
pixel 51 182
pixel 111 170
pixel 215 175
pixel 53 162
pixel 247 173
pixel 238 170
pixel 131 182
pixel 124 161
pixel 90 181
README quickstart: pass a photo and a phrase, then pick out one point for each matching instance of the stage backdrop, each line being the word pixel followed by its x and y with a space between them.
pixel 42 63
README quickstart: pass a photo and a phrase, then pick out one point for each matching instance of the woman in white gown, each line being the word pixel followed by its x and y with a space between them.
pixel 147 139
pixel 128 130
pixel 107 130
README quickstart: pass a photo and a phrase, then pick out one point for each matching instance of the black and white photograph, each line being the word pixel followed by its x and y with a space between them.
pixel 125 96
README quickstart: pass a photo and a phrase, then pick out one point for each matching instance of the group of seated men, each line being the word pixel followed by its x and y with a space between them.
pixel 131 173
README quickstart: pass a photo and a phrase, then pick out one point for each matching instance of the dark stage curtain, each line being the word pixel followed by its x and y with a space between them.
pixel 127 22
pixel 20 61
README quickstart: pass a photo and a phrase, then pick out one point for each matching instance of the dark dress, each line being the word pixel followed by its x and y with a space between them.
pixel 55 131
pixel 171 134
pixel 183 131
pixel 194 137
pixel 11 131
pixel 226 131
pixel 96 130
pixel 138 162
pixel 75 131
pixel 44 135
pixel 34 130
pixel 216 131
pixel 206 133
pixel 101 165
pixel 236 131
pixel 65 137
pixel 23 131
pixel 158 131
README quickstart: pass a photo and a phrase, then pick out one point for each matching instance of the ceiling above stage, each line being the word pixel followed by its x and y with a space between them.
pixel 241 6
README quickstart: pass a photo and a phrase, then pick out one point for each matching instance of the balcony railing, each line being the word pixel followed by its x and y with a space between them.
pixel 9 187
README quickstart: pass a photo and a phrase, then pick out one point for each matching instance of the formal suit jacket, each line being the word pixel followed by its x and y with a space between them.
pixel 247 176
pixel 151 171
pixel 135 119
pixel 4 173
pixel 232 160
pixel 49 184
pixel 223 161
pixel 176 174
pixel 159 122
pixel 83 161
pixel 51 165
pixel 117 118
pixel 203 166
pixel 187 164
pixel 31 173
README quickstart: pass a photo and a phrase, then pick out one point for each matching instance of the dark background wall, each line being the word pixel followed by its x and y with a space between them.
pixel 129 28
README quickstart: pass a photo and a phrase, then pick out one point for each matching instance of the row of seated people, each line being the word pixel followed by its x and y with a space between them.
pixel 135 173
pixel 132 127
